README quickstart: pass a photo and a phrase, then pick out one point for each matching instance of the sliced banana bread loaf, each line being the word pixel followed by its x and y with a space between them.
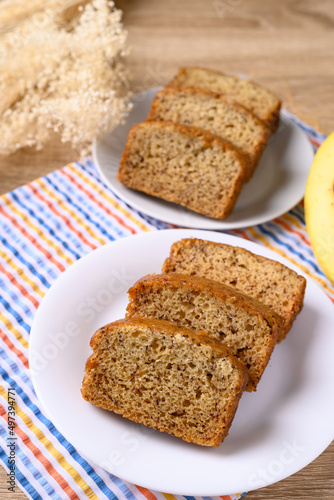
pixel 167 377
pixel 216 114
pixel 268 281
pixel 263 103
pixel 249 328
pixel 184 165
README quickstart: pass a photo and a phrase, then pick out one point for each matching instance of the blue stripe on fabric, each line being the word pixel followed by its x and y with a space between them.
pixel 21 478
pixel 23 457
pixel 83 200
pixel 299 214
pixel 289 247
pixel 117 228
pixel 17 300
pixel 15 314
pixel 93 173
pixel 43 224
pixel 122 487
pixel 60 438
pixel 27 264
pixel 38 258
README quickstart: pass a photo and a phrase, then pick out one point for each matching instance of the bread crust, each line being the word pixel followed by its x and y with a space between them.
pixel 296 304
pixel 252 157
pixel 159 328
pixel 221 294
pixel 271 119
pixel 222 208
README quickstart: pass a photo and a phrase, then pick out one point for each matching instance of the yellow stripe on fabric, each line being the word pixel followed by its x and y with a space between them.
pixel 14 331
pixel 280 252
pixel 168 496
pixel 20 272
pixel 110 200
pixel 35 228
pixel 67 209
pixel 50 447
pixel 293 221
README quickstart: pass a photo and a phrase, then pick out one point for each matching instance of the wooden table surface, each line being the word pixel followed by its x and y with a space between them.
pixel 287 46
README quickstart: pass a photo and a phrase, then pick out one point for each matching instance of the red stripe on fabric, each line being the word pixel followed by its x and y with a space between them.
pixel 65 219
pixel 316 143
pixel 286 226
pixel 91 197
pixel 33 240
pixel 147 493
pixel 24 292
pixel 243 234
pixel 14 349
pixel 42 459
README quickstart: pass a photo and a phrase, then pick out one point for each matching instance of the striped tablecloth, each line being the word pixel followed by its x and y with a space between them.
pixel 45 226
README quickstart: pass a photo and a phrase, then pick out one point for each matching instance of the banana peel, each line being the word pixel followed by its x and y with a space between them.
pixel 319 206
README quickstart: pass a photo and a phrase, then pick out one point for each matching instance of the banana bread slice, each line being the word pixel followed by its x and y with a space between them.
pixel 167 377
pixel 249 328
pixel 183 165
pixel 268 281
pixel 263 103
pixel 216 114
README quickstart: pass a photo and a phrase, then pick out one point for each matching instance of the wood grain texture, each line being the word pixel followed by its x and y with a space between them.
pixel 287 46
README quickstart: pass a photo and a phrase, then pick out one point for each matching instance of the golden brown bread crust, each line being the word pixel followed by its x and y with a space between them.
pixel 288 313
pixel 253 156
pixel 219 208
pixel 271 119
pixel 160 328
pixel 213 288
pixel 255 352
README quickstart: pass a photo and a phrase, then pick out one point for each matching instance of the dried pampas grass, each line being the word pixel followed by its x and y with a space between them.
pixel 61 69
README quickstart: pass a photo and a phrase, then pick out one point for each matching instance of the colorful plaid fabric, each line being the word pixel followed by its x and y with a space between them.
pixel 45 226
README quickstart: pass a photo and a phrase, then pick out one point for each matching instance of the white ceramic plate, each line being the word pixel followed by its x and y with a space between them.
pixel 277 185
pixel 277 431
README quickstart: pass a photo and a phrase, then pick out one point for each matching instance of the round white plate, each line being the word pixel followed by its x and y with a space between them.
pixel 277 431
pixel 277 185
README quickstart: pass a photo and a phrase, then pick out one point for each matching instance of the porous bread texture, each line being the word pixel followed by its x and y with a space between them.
pixel 216 114
pixel 249 328
pixel 170 378
pixel 183 165
pixel 263 103
pixel 268 281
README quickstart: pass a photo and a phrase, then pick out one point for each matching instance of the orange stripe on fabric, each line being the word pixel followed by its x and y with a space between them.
pixel 147 493
pixel 18 285
pixel 14 331
pixel 20 272
pixel 43 460
pixel 65 219
pixel 14 349
pixel 243 234
pixel 32 240
pixel 67 207
pixel 104 195
pixel 293 220
pixel 53 451
pixel 286 226
pixel 226 497
pixel 91 197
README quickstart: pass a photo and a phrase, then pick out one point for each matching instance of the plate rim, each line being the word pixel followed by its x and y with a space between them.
pixel 218 224
pixel 250 245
